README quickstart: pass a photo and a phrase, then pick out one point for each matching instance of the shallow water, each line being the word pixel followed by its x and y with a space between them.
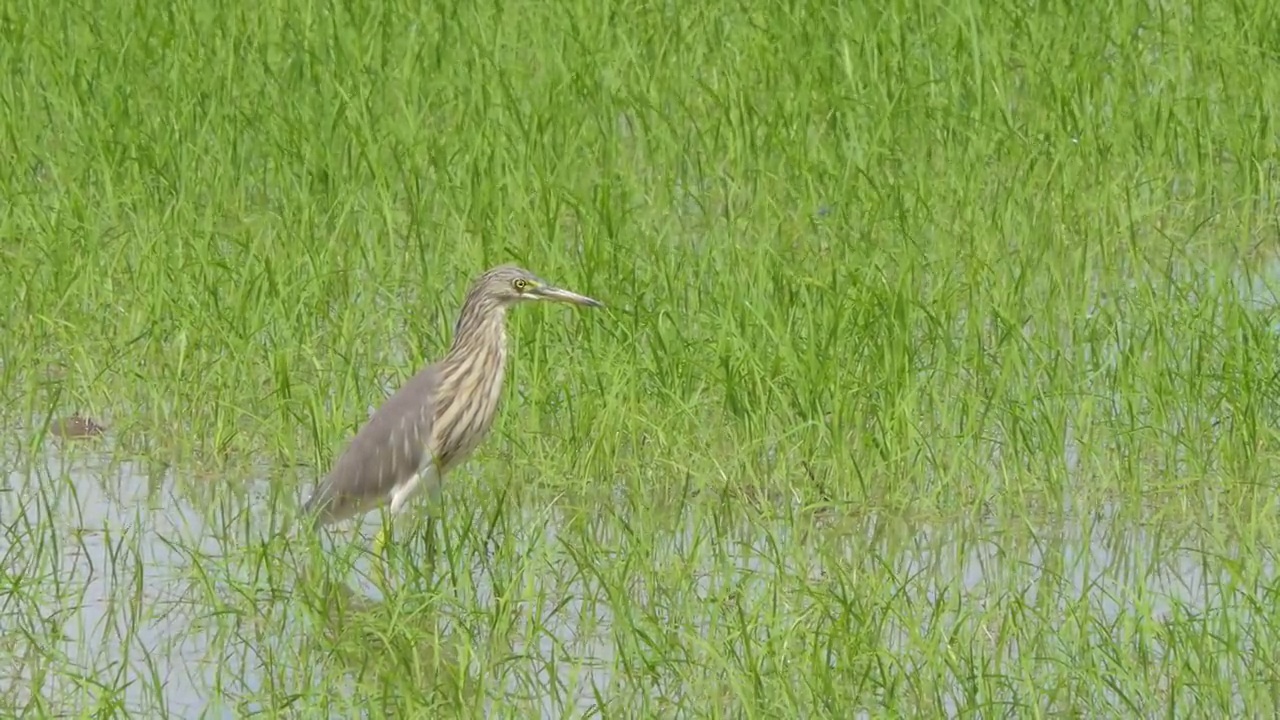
pixel 113 555
pixel 151 588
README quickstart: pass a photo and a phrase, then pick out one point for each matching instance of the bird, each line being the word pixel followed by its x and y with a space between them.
pixel 433 422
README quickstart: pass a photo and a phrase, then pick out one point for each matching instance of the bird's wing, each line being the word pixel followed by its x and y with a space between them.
pixel 387 451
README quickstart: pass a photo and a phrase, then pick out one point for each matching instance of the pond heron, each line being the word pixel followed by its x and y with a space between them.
pixel 439 417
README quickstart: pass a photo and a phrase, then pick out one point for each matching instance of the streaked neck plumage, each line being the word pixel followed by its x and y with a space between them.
pixel 481 328
pixel 471 378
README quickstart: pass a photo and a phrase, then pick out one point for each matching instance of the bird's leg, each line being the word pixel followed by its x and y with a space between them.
pixel 429 541
pixel 380 541
pixel 383 539
pixel 400 497
pixel 380 545
pixel 435 490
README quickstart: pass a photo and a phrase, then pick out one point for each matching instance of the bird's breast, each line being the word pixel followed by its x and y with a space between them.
pixel 467 409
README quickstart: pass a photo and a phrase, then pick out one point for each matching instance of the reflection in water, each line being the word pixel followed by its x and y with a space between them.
pixel 122 577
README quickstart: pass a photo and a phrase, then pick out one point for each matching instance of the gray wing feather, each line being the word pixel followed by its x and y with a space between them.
pixel 387 451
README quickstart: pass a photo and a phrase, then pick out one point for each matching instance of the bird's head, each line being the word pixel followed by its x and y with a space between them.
pixel 507 285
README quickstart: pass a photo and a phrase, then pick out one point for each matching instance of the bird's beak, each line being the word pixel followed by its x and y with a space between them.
pixel 546 292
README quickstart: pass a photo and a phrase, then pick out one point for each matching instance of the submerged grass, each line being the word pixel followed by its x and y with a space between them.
pixel 937 378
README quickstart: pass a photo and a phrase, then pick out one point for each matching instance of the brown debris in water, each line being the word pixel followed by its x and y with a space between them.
pixel 76 427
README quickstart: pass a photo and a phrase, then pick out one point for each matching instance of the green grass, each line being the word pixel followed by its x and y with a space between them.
pixel 938 376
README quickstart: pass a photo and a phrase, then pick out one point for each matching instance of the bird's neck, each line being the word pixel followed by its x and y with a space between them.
pixel 470 385
pixel 477 332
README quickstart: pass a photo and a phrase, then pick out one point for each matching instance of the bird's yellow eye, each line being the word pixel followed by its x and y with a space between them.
pixel 519 284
